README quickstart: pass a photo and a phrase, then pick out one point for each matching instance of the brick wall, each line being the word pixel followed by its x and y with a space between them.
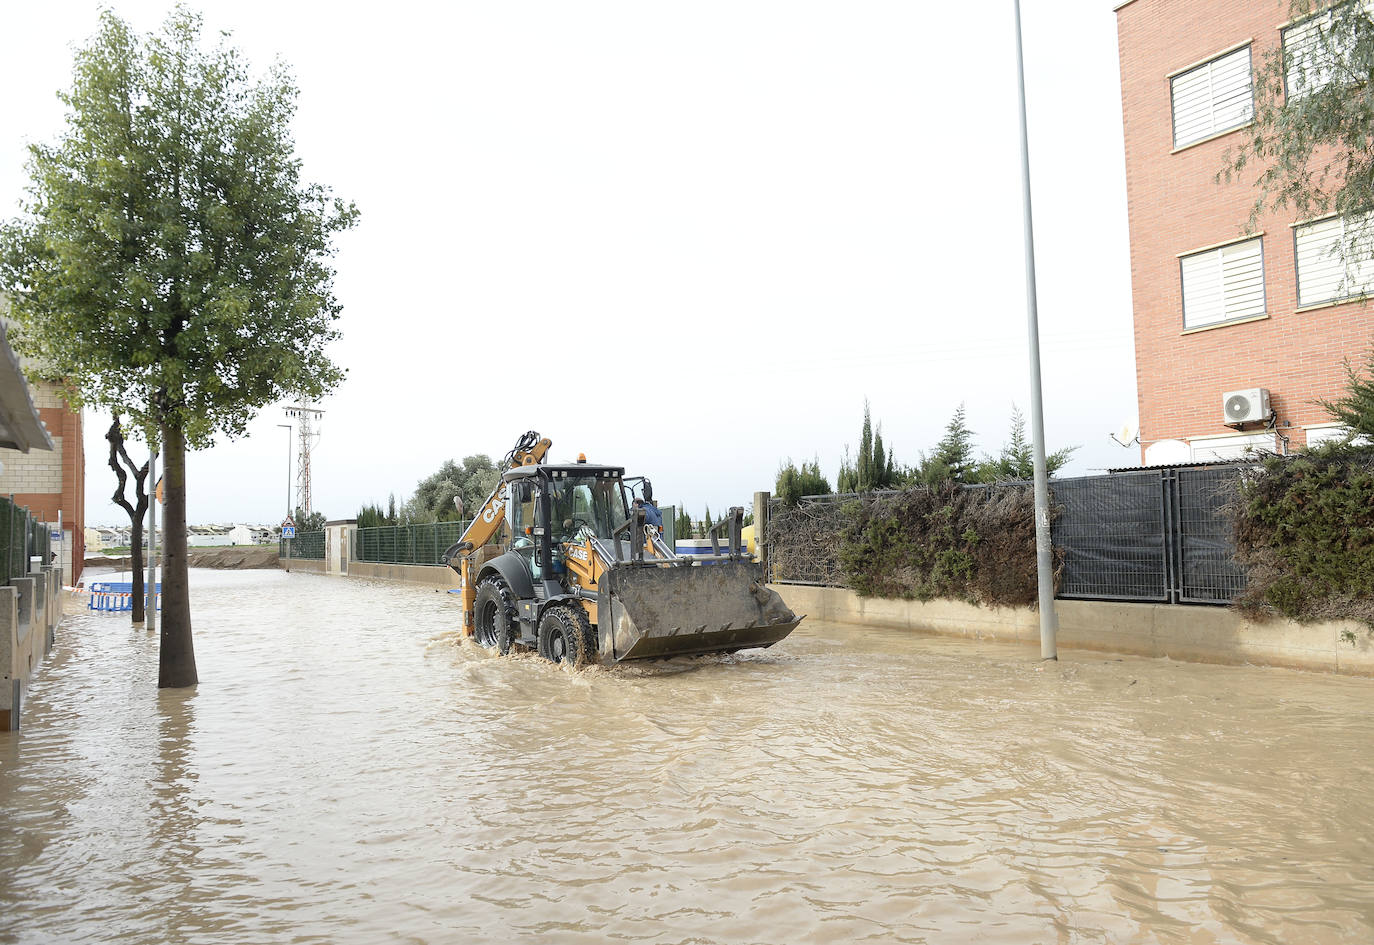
pixel 51 482
pixel 1176 205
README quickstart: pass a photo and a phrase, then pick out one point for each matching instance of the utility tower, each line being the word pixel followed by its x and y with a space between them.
pixel 308 435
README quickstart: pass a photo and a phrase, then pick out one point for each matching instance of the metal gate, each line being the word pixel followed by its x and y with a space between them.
pixel 1157 535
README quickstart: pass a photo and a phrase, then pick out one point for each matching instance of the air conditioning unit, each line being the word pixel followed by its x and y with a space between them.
pixel 1246 406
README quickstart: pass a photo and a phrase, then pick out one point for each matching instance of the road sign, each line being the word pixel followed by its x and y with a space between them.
pixel 55 536
pixel 288 531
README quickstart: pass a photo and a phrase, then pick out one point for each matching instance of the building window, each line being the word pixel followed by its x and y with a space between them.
pixel 1325 432
pixel 1213 97
pixel 1333 258
pixel 1211 449
pixel 1224 284
pixel 1312 51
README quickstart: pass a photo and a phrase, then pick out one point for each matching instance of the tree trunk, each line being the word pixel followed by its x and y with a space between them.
pixel 177 658
pixel 136 569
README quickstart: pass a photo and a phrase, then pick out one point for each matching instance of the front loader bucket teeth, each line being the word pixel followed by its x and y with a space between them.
pixel 658 612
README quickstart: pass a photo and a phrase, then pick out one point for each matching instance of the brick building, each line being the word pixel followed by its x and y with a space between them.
pixel 1219 307
pixel 51 482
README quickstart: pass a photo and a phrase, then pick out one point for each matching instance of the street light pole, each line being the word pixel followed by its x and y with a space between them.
pixel 1044 552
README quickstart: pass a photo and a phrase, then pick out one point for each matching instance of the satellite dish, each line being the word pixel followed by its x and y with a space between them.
pixel 1126 434
pixel 1168 453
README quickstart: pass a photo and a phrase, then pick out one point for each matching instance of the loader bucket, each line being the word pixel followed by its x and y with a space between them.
pixel 658 612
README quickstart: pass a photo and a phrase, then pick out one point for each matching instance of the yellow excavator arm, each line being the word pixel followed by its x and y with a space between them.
pixel 487 521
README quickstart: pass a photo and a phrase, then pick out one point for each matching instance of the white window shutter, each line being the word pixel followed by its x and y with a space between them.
pixel 1214 97
pixel 1320 270
pixel 1222 285
pixel 1334 259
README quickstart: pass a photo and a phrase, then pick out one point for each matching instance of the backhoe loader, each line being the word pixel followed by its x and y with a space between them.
pixel 558 560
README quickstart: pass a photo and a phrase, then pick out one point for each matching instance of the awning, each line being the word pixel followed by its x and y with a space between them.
pixel 20 428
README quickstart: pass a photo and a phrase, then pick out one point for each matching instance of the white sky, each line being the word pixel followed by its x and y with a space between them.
pixel 689 238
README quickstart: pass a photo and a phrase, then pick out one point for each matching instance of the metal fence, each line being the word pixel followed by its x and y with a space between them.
pixel 1153 535
pixel 22 537
pixel 406 544
pixel 1206 566
pixel 305 545
pixel 1112 532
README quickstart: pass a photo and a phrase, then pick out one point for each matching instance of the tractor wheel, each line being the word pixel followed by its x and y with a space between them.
pixel 494 613
pixel 565 636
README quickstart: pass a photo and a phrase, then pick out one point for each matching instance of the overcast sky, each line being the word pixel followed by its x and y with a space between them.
pixel 690 238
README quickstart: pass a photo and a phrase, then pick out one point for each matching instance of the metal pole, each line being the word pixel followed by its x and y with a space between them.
pixel 150 620
pixel 1044 553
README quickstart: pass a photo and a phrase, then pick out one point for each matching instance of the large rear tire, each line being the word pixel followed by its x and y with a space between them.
pixel 494 614
pixel 565 635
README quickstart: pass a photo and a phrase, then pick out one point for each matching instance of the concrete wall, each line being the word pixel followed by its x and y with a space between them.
pixel 338 559
pixel 429 576
pixel 1194 633
pixel 27 634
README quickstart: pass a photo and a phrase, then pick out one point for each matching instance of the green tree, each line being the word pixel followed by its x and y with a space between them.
pixel 793 482
pixel 683 526
pixel 308 521
pixel 1312 138
pixel 874 467
pixel 1017 458
pixel 372 516
pixel 472 480
pixel 171 263
pixel 952 459
pixel 1355 409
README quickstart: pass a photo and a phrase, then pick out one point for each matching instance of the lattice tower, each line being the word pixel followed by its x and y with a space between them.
pixel 307 435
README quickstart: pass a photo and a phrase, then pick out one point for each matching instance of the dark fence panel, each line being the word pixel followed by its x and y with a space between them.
pixel 305 545
pixel 407 544
pixel 1112 532
pixel 1208 572
pixel 1154 535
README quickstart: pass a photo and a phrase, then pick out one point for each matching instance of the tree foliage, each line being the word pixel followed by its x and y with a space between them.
pixel 1355 408
pixel 874 468
pixel 1017 457
pixel 372 515
pixel 472 480
pixel 1311 144
pixel 953 459
pixel 793 482
pixel 171 263
pixel 308 521
pixel 682 527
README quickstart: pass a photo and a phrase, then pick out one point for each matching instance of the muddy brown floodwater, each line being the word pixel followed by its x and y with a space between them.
pixel 348 771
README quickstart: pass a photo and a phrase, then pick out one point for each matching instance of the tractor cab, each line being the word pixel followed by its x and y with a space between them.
pixel 555 508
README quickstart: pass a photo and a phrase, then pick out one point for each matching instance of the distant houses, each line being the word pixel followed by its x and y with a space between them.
pixel 101 537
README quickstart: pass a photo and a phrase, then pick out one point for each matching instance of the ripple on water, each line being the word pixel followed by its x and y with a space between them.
pixel 350 770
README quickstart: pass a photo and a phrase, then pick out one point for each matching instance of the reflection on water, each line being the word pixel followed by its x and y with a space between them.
pixel 349 771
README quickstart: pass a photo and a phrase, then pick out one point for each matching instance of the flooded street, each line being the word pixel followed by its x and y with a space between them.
pixel 348 771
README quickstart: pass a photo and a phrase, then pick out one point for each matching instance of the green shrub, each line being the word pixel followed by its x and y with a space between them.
pixel 976 545
pixel 1305 534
